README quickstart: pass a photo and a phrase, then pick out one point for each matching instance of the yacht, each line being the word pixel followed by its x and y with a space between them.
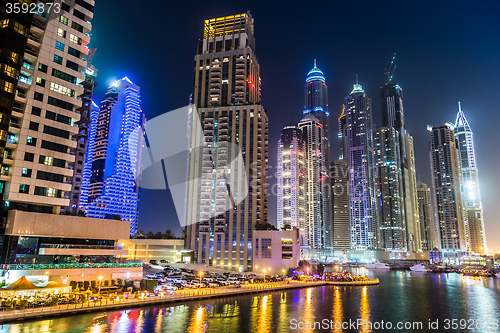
pixel 418 268
pixel 497 275
pixel 377 265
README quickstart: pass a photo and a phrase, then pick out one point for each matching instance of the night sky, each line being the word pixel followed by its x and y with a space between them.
pixel 447 51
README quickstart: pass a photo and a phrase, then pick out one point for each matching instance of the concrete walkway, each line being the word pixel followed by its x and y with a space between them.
pixel 174 297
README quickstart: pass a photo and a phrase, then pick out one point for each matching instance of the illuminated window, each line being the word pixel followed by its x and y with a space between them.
pixel 61 32
pixel 21 29
pixel 62 89
pixel 58 59
pixel 4 23
pixel 63 20
pixel 60 46
pixel 265 249
pixel 6 86
pixel 12 72
pixel 75 39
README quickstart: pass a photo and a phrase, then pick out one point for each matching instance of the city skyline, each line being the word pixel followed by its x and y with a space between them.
pixel 339 72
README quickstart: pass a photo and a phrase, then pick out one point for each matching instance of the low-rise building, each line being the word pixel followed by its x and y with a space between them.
pixel 275 251
pixel 145 250
pixel 65 248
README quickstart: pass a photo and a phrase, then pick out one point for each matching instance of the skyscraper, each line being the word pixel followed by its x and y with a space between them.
pixel 227 97
pixel 397 175
pixel 82 137
pixel 470 184
pixel 291 179
pixel 316 105
pixel 390 186
pixel 340 199
pixel 117 155
pixel 312 131
pixel 89 154
pixel 363 218
pixel 42 75
pixel 446 190
pixel 426 217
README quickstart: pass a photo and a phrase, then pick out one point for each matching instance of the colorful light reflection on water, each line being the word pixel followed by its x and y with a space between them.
pixel 401 296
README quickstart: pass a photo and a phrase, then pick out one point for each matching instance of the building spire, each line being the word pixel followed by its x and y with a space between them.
pixel 315 63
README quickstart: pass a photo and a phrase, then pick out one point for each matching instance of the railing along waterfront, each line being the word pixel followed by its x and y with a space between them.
pixel 68 266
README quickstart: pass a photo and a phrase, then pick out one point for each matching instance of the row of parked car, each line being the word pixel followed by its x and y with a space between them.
pixel 182 278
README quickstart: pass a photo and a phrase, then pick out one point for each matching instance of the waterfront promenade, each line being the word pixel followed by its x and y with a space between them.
pixel 109 304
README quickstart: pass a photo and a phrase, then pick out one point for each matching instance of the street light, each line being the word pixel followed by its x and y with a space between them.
pixel 264 276
pixel 201 274
pixel 99 292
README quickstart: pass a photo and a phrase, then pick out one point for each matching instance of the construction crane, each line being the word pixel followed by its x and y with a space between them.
pixel 90 70
pixel 388 72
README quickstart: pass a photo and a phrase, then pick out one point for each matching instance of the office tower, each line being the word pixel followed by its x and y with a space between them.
pixel 113 187
pixel 397 176
pixel 470 184
pixel 82 137
pixel 340 198
pixel 312 131
pixel 316 105
pixel 44 106
pixel 89 154
pixel 342 135
pixel 446 188
pixel 227 97
pixel 291 181
pixel 426 216
pixel 363 218
pixel 391 192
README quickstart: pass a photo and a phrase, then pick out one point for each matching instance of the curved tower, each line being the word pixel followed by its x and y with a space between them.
pixel 475 233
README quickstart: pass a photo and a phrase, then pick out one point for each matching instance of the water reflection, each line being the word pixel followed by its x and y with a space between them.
pixel 400 297
pixel 337 313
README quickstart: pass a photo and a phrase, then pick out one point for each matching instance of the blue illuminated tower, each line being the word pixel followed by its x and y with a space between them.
pixel 89 152
pixel 113 189
pixel 316 106
pixel 475 233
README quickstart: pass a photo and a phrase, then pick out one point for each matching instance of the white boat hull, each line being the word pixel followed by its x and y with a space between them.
pixel 497 275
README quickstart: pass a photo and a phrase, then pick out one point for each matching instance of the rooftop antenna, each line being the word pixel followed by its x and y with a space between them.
pixel 314 63
pixel 357 79
pixel 459 107
pixel 388 71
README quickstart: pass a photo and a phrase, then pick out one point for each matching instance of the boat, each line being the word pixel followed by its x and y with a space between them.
pixel 497 275
pixel 377 265
pixel 418 268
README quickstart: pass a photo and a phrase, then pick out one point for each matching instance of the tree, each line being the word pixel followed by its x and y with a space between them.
pixel 81 213
pixel 320 269
pixel 265 226
pixel 169 234
pixel 86 285
pixel 117 217
pixel 66 212
pixel 149 235
pixel 139 234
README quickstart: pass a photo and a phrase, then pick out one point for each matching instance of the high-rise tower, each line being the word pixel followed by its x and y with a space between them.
pixel 316 105
pixel 426 216
pixel 470 184
pixel 446 190
pixel 291 178
pixel 42 79
pixel 363 218
pixel 117 155
pixel 227 97
pixel 399 220
pixel 340 199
